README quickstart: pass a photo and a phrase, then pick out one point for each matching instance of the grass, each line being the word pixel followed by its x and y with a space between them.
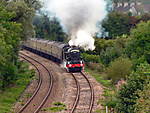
pixel 99 77
pixel 108 88
pixel 11 94
pixel 57 107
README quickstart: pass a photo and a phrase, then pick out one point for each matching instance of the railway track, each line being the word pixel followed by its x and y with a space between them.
pixel 43 89
pixel 84 99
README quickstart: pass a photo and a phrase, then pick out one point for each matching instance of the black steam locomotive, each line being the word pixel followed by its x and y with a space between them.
pixel 62 53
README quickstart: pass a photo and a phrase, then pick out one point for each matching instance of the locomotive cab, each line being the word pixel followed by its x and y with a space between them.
pixel 74 66
pixel 73 60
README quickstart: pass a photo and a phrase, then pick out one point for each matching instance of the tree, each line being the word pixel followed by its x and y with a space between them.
pixel 143 103
pixel 38 26
pixel 10 33
pixel 119 69
pixel 128 94
pixel 139 45
pixel 25 11
pixel 109 55
pixel 91 58
pixel 49 28
pixel 36 4
pixel 102 44
pixel 116 24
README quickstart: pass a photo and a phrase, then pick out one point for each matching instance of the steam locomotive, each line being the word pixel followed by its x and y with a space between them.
pixel 59 52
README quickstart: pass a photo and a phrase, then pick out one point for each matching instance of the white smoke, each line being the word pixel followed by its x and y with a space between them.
pixel 79 18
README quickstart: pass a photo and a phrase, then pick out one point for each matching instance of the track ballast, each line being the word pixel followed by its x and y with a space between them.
pixel 84 99
pixel 43 90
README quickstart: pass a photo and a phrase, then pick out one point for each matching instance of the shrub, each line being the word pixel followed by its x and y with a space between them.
pixel 110 98
pixel 102 44
pixel 128 94
pixel 143 103
pixel 119 69
pixel 139 45
pixel 91 58
pixel 96 66
pixel 110 54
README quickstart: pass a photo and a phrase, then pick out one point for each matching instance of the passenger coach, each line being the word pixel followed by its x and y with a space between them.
pixel 59 52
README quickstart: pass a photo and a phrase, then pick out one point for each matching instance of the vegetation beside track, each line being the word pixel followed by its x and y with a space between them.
pixel 57 107
pixel 126 58
pixel 12 93
pixel 108 88
pixel 15 25
pixel 127 48
pixel 99 77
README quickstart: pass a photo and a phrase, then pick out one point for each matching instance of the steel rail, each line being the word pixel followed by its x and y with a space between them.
pixel 92 93
pixel 78 94
pixel 37 88
pixel 50 85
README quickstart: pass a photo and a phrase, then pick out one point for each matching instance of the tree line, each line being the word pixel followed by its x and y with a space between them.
pixel 117 24
pixel 48 28
pixel 124 54
pixel 15 25
pixel 19 20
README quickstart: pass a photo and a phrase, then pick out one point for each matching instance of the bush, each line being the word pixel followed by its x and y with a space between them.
pixel 116 24
pixel 10 33
pixel 96 66
pixel 110 54
pixel 110 99
pixel 119 69
pixel 91 58
pixel 139 45
pixel 143 103
pixel 128 94
pixel 102 44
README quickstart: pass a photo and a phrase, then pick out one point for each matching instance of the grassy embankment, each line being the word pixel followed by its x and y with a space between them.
pixel 108 87
pixel 12 93
pixel 99 77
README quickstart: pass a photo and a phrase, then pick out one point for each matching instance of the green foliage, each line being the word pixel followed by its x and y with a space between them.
pixel 128 93
pixel 122 55
pixel 143 103
pixel 95 66
pixel 15 24
pixel 9 46
pixel 58 106
pixel 119 68
pixel 102 44
pixel 139 45
pixel 109 55
pixel 25 11
pixel 35 4
pixel 100 77
pixel 11 94
pixel 110 49
pixel 91 58
pixel 110 98
pixel 116 24
pixel 49 28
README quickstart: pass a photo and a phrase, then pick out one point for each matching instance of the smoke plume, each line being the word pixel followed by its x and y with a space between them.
pixel 79 18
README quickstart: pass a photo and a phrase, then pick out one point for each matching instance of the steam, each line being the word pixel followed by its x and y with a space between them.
pixel 79 18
